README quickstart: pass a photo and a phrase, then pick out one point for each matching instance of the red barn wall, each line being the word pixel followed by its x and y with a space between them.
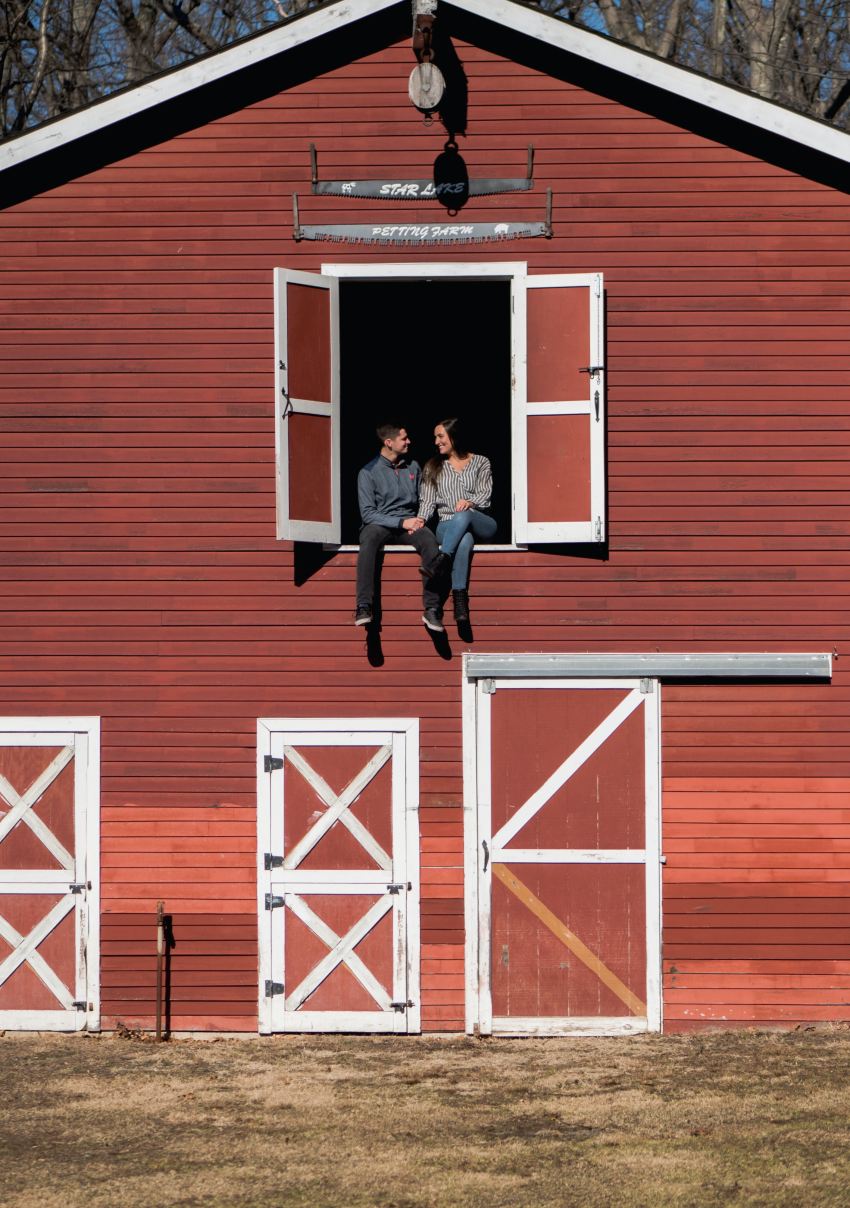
pixel 143 581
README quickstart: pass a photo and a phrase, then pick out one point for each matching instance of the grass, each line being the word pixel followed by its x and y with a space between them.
pixel 382 1122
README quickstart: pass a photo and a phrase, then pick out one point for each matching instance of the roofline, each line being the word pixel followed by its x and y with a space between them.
pixel 769 116
pixel 170 85
pixel 766 116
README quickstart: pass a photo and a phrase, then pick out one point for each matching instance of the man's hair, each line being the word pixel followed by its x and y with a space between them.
pixel 388 431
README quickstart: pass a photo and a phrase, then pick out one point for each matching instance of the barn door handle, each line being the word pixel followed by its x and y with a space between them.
pixel 486 853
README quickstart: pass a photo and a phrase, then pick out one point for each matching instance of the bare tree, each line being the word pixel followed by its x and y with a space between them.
pixel 796 52
pixel 56 55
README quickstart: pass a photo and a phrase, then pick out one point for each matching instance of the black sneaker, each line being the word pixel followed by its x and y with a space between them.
pixel 363 614
pixel 432 620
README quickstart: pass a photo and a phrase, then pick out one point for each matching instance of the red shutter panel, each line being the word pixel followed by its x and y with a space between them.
pixel 307 416
pixel 559 419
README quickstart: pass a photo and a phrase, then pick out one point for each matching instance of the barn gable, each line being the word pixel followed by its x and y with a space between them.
pixel 148 586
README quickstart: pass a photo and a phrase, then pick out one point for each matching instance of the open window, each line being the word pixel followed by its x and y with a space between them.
pixel 518 357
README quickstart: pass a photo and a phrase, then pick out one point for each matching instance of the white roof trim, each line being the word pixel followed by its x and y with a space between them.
pixel 678 81
pixel 595 48
pixel 184 79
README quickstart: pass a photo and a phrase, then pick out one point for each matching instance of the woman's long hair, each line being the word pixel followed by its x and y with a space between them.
pixel 455 433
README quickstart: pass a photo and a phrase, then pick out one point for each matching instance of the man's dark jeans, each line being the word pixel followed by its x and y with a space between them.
pixel 373 538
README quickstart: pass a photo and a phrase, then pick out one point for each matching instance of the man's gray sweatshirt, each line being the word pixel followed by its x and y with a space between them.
pixel 388 492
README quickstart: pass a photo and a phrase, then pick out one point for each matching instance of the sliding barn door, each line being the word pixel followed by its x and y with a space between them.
pixel 567 857
pixel 48 850
pixel 340 877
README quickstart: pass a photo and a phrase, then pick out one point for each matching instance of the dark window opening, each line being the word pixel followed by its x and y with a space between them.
pixel 419 352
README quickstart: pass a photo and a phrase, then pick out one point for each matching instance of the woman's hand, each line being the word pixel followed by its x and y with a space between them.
pixel 463 505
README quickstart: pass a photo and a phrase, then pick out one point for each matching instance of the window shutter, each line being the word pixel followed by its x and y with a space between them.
pixel 307 407
pixel 559 409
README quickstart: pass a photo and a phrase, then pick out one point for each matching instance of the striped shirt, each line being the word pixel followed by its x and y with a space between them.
pixel 474 482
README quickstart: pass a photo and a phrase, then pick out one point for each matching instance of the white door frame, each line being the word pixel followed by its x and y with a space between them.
pixel 83 735
pixel 399 885
pixel 476 810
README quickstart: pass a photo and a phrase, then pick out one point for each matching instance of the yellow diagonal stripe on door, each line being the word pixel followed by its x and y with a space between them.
pixel 569 939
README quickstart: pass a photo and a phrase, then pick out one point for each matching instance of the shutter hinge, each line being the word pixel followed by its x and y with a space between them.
pixel 272 764
pixel 77 1005
pixel 79 886
pixel 397 888
pixel 597 529
pixel 646 687
pixel 273 900
pixel 273 988
pixel 488 687
pixel 402 1006
pixel 270 861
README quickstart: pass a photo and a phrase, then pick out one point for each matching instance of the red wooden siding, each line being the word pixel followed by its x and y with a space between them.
pixel 143 581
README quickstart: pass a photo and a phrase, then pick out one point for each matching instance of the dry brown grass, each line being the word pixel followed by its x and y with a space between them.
pixel 404 1123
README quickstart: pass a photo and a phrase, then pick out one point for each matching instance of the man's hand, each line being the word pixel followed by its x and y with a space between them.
pixel 463 505
pixel 413 524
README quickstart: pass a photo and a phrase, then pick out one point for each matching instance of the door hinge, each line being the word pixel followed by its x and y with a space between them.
pixel 597 530
pixel 397 888
pixel 79 886
pixel 273 988
pixel 270 861
pixel 273 901
pixel 77 1005
pixel 488 687
pixel 646 687
pixel 402 1006
pixel 271 763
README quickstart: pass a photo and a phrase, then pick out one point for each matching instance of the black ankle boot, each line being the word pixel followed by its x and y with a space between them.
pixel 460 602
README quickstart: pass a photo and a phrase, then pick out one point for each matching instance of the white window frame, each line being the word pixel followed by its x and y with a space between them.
pixel 476 695
pixel 515 274
pixel 339 731
pixel 84 733
pixel 467 270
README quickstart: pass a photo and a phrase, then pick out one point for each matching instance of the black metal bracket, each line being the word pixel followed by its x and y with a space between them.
pixel 272 764
pixel 270 861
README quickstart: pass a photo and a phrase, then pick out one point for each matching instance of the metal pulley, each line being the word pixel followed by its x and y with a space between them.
pixel 427 86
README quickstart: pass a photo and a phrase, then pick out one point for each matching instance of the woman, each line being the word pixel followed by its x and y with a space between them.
pixel 458 484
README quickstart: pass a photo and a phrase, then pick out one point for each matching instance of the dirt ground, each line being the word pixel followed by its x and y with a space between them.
pixel 408 1122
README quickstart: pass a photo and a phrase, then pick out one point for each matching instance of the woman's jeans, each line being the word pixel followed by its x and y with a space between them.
pixel 457 537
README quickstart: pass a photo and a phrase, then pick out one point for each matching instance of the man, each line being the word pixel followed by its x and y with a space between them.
pixel 388 494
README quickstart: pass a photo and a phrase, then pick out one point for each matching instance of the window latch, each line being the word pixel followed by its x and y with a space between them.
pixel 288 408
